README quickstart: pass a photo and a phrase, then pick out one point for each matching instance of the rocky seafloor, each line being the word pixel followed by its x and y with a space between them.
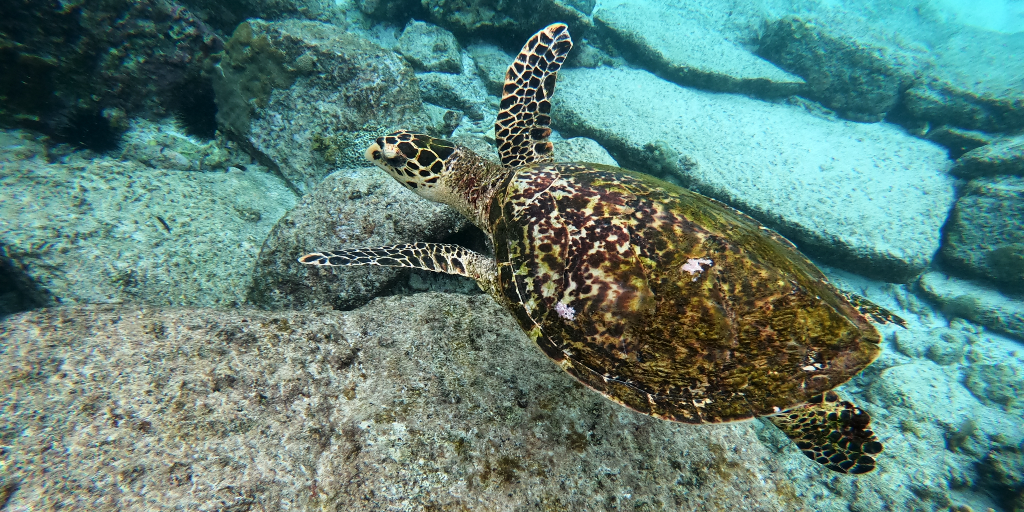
pixel 163 163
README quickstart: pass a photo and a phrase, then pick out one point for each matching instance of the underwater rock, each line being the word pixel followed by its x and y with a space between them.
pixel 430 402
pixel 999 382
pixel 351 208
pixel 864 197
pixel 225 16
pixel 975 83
pixel 77 69
pixel 464 91
pixel 979 304
pixel 681 50
pixel 166 145
pixel 1002 156
pixel 959 141
pixel 503 20
pixel 310 97
pixel 858 77
pixel 430 48
pixel 580 149
pixel 984 236
pixel 108 231
pixel 491 64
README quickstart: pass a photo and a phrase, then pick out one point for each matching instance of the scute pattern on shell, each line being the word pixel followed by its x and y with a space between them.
pixel 756 332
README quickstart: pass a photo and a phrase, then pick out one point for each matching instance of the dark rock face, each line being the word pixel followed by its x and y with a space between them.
pixel 975 83
pixel 859 79
pixel 432 402
pixel 79 72
pixel 984 236
pixel 359 208
pixel 309 98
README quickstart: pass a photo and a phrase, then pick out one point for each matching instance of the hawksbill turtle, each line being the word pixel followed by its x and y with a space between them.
pixel 663 300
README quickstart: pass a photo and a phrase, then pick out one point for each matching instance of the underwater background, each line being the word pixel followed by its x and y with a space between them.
pixel 163 164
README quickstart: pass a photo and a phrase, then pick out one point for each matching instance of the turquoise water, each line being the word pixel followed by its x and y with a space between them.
pixel 164 164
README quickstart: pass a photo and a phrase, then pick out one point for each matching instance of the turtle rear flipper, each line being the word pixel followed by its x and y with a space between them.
pixel 446 258
pixel 521 129
pixel 873 311
pixel 833 433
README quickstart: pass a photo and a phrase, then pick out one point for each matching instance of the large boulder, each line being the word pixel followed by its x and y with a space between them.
pixel 868 198
pixel 107 231
pixel 857 76
pixel 664 40
pixel 984 236
pixel 975 83
pixel 310 97
pixel 431 402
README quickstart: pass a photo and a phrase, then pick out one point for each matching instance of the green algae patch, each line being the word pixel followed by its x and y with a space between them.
pixel 250 68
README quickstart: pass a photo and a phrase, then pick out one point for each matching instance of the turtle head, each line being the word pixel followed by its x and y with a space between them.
pixel 417 161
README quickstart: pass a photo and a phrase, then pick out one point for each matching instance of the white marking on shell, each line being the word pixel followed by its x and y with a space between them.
pixel 694 267
pixel 565 311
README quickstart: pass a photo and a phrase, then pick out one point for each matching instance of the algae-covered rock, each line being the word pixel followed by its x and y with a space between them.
pixel 984 236
pixel 353 208
pixel 102 230
pixel 430 402
pixel 310 97
pixel 668 43
pixel 430 48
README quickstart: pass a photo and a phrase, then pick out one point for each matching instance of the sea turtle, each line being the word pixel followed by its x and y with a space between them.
pixel 663 300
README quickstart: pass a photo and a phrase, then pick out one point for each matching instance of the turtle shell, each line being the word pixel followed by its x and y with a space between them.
pixel 666 301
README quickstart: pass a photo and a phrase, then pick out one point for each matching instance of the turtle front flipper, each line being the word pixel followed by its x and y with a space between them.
pixel 833 433
pixel 446 258
pixel 521 129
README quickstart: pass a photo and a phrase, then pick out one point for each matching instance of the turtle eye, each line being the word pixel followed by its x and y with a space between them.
pixel 375 155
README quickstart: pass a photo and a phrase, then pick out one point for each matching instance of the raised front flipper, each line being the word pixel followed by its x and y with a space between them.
pixel 446 258
pixel 521 129
pixel 833 433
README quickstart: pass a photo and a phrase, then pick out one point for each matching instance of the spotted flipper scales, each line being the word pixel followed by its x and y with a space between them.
pixel 521 129
pixel 446 258
pixel 833 433
pixel 873 311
